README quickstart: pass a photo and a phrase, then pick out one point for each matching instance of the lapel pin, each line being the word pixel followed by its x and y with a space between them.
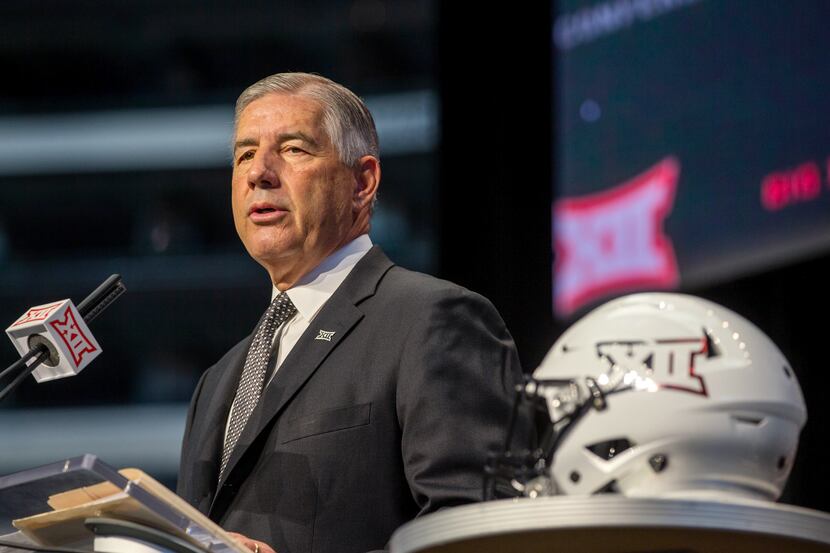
pixel 325 335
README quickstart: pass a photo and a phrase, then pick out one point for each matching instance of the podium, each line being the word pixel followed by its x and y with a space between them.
pixel 83 503
pixel 616 524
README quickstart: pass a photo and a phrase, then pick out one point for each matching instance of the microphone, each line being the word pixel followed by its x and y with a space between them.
pixel 56 335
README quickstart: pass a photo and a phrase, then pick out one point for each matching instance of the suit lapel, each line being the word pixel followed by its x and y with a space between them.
pixel 209 435
pixel 334 321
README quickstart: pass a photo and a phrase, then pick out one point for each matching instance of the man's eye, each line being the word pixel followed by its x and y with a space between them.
pixel 247 155
pixel 294 150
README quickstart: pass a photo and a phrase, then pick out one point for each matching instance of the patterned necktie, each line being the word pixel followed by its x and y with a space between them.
pixel 253 373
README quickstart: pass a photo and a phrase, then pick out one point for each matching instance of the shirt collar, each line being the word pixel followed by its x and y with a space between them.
pixel 314 289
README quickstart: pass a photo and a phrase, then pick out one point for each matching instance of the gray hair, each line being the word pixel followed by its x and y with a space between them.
pixel 346 119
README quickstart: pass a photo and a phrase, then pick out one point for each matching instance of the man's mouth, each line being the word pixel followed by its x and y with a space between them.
pixel 265 212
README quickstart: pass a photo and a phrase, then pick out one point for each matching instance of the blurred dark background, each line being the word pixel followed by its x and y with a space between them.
pixel 115 123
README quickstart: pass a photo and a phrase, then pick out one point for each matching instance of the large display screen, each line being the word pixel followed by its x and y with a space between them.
pixel 691 142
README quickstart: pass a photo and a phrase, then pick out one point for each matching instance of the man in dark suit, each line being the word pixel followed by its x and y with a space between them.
pixel 383 389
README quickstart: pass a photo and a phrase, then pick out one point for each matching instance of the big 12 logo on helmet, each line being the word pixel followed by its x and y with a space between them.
pixel 667 363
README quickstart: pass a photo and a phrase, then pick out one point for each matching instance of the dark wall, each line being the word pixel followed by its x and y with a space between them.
pixel 495 82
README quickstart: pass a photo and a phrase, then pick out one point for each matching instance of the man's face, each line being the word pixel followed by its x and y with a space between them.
pixel 292 196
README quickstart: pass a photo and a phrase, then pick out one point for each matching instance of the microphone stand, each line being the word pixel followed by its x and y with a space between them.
pixel 92 306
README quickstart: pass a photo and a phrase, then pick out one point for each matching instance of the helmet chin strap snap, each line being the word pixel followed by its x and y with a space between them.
pixel 597 397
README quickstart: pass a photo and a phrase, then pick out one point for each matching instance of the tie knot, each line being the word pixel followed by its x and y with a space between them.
pixel 281 309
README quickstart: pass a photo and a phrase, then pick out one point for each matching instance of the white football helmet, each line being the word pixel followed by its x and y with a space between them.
pixel 690 400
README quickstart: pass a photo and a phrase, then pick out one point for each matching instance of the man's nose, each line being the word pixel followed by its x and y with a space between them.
pixel 263 171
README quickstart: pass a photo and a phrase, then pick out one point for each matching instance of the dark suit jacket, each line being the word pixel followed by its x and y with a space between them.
pixel 390 419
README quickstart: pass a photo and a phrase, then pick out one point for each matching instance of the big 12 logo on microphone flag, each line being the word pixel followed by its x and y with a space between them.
pixel 60 324
pixel 613 241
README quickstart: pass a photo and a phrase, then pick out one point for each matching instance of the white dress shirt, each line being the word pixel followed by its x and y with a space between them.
pixel 309 295
pixel 312 292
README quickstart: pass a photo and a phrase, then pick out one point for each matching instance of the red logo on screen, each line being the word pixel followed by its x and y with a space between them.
pixel 613 241
pixel 668 363
pixel 783 188
pixel 73 337
pixel 39 313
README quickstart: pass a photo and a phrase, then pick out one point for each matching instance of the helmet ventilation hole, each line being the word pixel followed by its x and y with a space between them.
pixel 608 449
pixel 745 419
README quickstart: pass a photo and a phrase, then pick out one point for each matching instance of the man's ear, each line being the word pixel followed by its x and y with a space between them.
pixel 367 179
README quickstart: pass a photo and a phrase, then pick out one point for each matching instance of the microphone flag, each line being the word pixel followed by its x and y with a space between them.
pixel 62 329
